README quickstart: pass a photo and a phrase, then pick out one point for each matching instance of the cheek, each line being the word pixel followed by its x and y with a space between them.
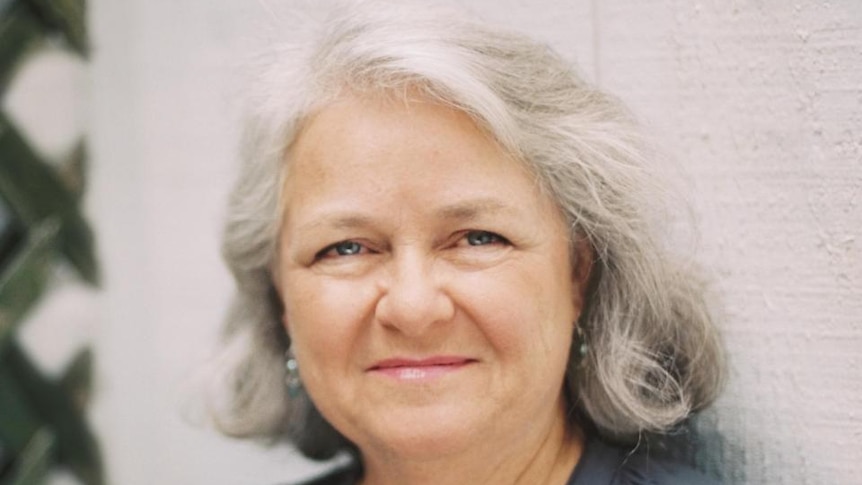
pixel 323 316
pixel 524 313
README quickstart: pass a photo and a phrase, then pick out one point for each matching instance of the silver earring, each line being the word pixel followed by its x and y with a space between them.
pixel 292 380
pixel 581 341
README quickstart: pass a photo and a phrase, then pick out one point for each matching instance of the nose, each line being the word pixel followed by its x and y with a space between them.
pixel 414 299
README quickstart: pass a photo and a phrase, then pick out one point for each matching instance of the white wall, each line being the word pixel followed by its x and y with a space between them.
pixel 761 101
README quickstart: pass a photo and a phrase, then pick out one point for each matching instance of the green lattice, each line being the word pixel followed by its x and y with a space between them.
pixel 41 419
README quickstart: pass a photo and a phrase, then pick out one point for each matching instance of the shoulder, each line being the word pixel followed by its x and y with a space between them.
pixel 641 469
pixel 607 464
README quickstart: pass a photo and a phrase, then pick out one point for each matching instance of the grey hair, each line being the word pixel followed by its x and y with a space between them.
pixel 654 355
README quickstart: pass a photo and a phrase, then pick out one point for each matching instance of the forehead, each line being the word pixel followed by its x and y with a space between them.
pixel 378 155
pixel 379 121
pixel 392 134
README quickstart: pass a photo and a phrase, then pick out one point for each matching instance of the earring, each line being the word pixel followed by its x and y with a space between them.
pixel 292 380
pixel 581 341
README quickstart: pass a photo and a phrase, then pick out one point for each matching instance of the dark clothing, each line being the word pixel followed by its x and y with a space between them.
pixel 600 464
pixel 604 464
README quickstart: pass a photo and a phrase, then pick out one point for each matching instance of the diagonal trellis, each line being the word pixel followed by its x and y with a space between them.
pixel 41 419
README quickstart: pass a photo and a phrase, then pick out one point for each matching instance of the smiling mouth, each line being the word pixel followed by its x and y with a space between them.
pixel 413 370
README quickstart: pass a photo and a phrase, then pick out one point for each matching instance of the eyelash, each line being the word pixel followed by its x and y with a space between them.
pixel 334 248
pixel 339 250
pixel 493 238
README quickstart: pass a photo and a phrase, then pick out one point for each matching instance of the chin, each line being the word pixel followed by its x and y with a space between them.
pixel 429 433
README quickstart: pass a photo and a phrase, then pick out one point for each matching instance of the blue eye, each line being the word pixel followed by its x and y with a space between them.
pixel 483 238
pixel 343 248
pixel 347 248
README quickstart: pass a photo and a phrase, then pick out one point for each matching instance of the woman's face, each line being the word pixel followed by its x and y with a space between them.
pixel 427 282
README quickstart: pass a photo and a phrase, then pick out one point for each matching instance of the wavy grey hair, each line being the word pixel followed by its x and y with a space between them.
pixel 654 356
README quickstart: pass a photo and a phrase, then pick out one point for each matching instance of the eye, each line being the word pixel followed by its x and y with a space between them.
pixel 343 248
pixel 484 238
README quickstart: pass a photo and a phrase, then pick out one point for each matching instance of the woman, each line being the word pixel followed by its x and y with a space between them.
pixel 450 241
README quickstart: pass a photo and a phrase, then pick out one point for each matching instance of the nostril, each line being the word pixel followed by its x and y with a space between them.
pixel 413 312
pixel 412 298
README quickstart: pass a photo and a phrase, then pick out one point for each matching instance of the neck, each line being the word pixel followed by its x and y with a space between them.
pixel 545 454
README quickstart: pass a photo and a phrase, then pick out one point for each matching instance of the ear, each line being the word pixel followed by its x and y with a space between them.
pixel 276 303
pixel 582 267
pixel 285 323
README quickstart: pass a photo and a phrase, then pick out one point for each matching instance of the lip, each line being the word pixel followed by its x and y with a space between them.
pixel 417 370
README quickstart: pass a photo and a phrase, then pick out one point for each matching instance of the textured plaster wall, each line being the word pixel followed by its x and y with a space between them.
pixel 759 101
pixel 762 101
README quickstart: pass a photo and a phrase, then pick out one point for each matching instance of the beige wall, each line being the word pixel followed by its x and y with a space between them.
pixel 760 101
pixel 763 102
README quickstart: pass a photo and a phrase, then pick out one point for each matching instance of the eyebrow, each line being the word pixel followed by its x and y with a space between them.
pixel 472 209
pixel 344 220
pixel 462 211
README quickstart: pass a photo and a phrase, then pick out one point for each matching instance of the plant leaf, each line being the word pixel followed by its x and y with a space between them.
pixel 20 32
pixel 76 445
pixel 34 191
pixel 22 281
pixel 67 17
